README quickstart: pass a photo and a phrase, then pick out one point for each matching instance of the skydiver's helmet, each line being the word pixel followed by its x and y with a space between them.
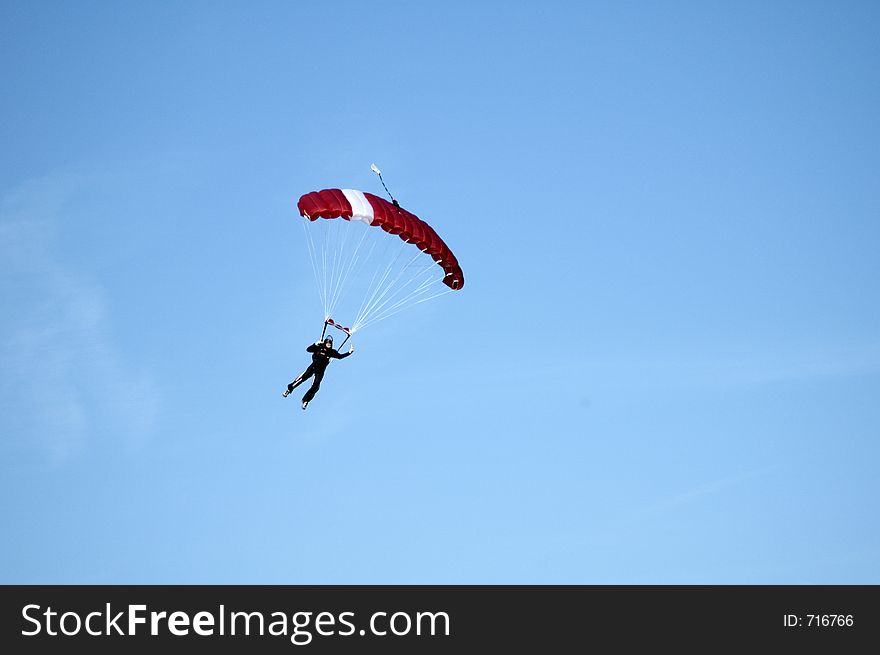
pixel 328 341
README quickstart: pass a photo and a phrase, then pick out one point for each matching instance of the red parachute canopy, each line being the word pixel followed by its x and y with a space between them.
pixel 372 210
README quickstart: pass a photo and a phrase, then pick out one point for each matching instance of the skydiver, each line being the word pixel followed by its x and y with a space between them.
pixel 322 353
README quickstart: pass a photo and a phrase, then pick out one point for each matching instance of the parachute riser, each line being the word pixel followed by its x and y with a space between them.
pixel 330 321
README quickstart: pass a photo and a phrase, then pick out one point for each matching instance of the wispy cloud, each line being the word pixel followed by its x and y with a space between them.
pixel 767 363
pixel 723 368
pixel 64 383
pixel 700 492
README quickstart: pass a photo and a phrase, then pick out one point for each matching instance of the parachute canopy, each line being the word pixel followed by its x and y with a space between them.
pixel 388 269
pixel 372 210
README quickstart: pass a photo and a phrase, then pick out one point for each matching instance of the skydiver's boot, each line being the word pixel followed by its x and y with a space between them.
pixel 285 393
pixel 305 404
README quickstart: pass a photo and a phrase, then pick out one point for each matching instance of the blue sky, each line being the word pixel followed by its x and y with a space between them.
pixel 664 366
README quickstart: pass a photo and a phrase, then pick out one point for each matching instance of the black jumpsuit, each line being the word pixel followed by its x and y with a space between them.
pixel 321 356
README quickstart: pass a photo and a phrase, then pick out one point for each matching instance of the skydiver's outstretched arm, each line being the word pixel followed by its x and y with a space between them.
pixel 335 354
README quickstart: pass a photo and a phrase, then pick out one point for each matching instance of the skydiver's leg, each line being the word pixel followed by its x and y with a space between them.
pixel 305 375
pixel 316 384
